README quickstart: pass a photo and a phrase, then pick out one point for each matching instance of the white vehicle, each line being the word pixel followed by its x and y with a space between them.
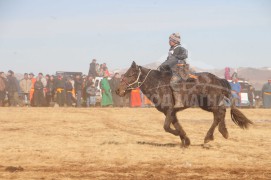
pixel 97 82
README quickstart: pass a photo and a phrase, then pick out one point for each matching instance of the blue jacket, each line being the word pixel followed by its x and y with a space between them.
pixel 235 87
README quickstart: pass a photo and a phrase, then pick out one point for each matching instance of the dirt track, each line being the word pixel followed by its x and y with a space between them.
pixel 55 143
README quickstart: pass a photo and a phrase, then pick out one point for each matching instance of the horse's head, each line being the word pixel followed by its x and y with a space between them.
pixel 129 80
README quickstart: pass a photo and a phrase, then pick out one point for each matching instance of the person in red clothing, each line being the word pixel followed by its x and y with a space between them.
pixel 31 94
pixel 135 98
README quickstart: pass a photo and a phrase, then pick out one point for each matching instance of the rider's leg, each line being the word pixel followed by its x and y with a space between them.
pixel 176 88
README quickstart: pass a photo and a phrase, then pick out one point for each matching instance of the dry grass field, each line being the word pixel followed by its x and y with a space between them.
pixel 125 143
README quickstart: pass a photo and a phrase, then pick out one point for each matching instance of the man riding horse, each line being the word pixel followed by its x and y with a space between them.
pixel 176 61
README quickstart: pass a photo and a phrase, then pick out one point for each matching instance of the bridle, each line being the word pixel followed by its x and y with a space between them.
pixel 137 82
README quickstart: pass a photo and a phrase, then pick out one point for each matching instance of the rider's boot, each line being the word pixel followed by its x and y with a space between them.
pixel 178 100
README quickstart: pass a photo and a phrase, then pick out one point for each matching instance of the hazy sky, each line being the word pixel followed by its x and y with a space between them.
pixel 50 35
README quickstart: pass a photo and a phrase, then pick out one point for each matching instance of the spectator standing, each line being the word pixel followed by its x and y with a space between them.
pixel 13 89
pixel 50 90
pixel 89 80
pixel 126 98
pixel 2 88
pixel 92 69
pixel 106 92
pixel 44 82
pixel 69 89
pixel 227 73
pixel 84 86
pixel 114 84
pixel 251 96
pixel 135 98
pixel 38 93
pixel 91 94
pixel 97 69
pixel 78 86
pixel 235 91
pixel 266 93
pixel 101 71
pixel 47 78
pixel 105 70
pixel 60 90
pixel 33 80
pixel 25 85
pixel 234 75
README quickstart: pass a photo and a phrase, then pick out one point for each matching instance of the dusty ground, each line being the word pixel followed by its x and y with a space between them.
pixel 68 143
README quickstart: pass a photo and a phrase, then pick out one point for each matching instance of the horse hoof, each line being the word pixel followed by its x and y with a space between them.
pixel 185 142
pixel 206 146
pixel 208 139
pixel 224 133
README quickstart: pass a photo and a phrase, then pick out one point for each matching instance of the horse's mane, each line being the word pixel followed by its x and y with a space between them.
pixel 163 73
pixel 167 74
pixel 160 73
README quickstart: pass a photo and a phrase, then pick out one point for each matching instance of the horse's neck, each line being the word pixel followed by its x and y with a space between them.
pixel 151 83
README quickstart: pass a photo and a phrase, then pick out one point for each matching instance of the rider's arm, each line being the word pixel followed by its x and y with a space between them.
pixel 180 53
pixel 168 64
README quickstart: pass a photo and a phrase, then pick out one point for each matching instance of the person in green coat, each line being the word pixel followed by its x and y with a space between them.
pixel 106 92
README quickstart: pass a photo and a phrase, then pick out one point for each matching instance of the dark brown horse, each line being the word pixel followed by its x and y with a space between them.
pixel 206 91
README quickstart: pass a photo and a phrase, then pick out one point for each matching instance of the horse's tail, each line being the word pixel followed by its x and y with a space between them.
pixel 236 115
pixel 239 118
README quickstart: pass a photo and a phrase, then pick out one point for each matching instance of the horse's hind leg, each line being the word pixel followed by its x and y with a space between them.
pixel 219 119
pixel 222 126
pixel 210 134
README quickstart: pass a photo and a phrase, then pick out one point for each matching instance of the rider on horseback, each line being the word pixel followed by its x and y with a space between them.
pixel 176 61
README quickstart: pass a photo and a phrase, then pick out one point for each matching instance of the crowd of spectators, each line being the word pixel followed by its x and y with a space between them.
pixel 98 88
pixel 95 89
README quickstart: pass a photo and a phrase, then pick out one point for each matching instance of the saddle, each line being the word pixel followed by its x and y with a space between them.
pixel 184 72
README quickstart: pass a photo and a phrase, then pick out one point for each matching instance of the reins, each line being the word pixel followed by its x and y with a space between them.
pixel 137 82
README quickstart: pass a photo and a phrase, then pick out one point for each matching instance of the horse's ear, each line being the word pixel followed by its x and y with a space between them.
pixel 134 64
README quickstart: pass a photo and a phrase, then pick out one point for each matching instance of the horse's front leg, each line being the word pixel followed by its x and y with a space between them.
pixel 182 133
pixel 168 121
pixel 178 131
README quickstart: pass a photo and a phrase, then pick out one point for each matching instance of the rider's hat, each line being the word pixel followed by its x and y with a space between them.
pixel 175 37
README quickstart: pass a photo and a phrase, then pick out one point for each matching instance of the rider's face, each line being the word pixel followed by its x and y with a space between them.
pixel 171 43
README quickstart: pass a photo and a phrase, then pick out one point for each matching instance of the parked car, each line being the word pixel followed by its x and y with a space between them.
pixel 66 74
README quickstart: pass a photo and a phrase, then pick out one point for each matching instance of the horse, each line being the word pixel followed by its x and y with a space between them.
pixel 205 90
